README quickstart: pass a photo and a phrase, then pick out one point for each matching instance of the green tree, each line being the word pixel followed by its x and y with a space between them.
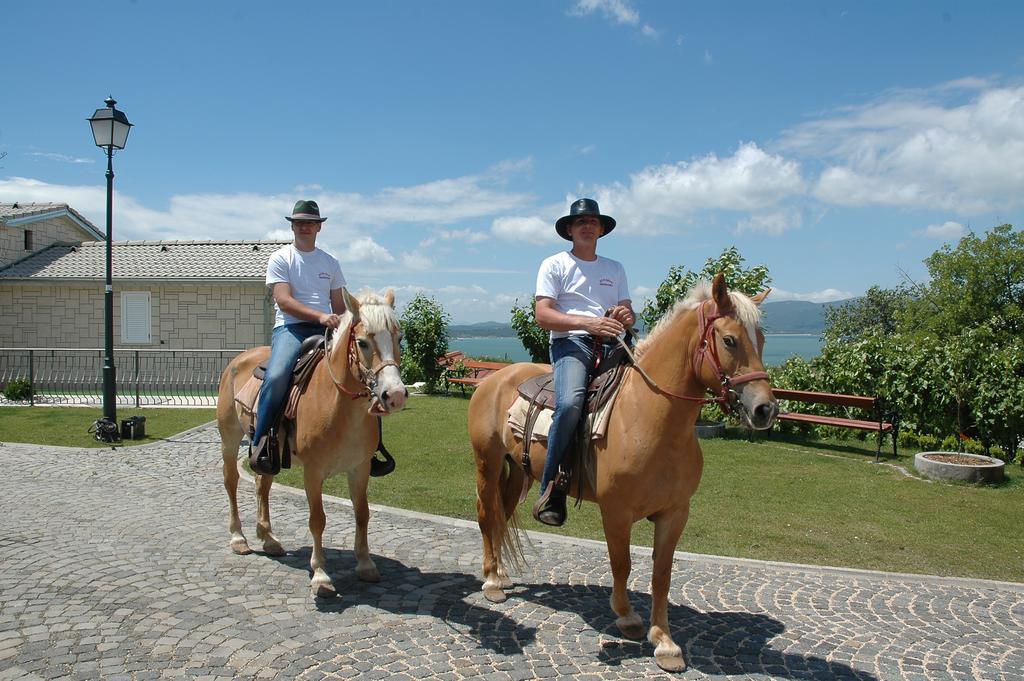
pixel 878 311
pixel 680 280
pixel 425 336
pixel 979 280
pixel 534 339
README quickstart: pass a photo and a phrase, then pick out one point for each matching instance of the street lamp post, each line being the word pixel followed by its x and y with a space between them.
pixel 110 129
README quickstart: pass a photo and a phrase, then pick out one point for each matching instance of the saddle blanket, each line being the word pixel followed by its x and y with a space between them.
pixel 597 422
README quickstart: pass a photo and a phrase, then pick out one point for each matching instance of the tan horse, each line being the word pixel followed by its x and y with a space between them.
pixel 336 427
pixel 649 464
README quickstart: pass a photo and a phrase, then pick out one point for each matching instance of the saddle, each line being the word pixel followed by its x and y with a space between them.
pixel 539 396
pixel 311 351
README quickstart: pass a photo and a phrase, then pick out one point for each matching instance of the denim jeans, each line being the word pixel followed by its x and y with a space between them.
pixel 284 350
pixel 573 360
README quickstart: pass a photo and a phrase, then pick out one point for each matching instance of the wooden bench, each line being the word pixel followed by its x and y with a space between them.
pixel 881 422
pixel 469 372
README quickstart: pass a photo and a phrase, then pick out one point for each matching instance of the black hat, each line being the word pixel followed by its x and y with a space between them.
pixel 582 207
pixel 305 211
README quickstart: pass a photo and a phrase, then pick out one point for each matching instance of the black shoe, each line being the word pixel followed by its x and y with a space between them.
pixel 550 508
pixel 263 458
pixel 381 467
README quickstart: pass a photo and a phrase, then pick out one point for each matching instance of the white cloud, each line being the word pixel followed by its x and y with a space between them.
pixel 417 261
pixel 62 158
pixel 825 296
pixel 948 231
pixel 365 251
pixel 659 196
pixel 616 11
pixel 462 235
pixel 531 229
pixel 958 147
pixel 772 224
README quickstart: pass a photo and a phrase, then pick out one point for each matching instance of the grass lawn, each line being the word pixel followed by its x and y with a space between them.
pixel 68 426
pixel 822 503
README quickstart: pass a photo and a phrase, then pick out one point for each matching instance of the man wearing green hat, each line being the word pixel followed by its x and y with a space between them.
pixel 306 284
pixel 583 300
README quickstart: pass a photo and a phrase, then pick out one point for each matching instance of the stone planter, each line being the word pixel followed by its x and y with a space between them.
pixel 709 429
pixel 969 468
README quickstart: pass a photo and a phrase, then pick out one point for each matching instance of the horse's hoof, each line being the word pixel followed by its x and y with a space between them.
pixel 631 626
pixel 272 547
pixel 669 657
pixel 494 594
pixel 323 589
pixel 368 574
pixel 240 546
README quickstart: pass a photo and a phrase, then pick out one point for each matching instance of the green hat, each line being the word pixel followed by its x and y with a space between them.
pixel 306 210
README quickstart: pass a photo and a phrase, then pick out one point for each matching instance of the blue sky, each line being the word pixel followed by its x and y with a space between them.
pixel 838 143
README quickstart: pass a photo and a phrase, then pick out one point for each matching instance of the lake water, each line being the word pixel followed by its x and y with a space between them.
pixel 777 348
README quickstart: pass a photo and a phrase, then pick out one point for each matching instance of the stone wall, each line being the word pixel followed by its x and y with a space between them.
pixel 184 315
pixel 44 232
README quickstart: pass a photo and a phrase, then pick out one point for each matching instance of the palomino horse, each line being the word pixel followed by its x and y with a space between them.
pixel 649 463
pixel 335 426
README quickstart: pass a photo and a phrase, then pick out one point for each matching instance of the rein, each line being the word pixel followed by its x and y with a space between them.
pixel 726 396
pixel 366 375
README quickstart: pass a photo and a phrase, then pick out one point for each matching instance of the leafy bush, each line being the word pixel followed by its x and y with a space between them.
pixel 18 389
pixel 535 340
pixel 425 336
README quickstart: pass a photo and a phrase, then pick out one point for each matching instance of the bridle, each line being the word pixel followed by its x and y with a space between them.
pixel 367 376
pixel 725 394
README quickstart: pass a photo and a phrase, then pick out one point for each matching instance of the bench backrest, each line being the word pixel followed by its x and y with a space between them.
pixel 860 401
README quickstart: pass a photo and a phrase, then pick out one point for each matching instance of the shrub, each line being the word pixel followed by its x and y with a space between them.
pixel 18 389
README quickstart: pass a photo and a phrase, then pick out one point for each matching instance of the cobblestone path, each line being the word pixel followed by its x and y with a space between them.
pixel 115 565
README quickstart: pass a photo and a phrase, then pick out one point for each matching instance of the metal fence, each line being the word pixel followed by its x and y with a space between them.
pixel 74 376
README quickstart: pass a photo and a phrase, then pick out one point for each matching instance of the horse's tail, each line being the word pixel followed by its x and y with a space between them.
pixel 512 480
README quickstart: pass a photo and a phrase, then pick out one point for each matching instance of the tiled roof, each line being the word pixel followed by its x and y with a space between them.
pixel 24 212
pixel 148 260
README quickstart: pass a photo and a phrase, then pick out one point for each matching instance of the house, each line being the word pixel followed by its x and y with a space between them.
pixel 167 294
pixel 29 227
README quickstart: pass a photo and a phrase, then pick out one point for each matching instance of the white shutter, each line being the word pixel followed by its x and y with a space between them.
pixel 136 317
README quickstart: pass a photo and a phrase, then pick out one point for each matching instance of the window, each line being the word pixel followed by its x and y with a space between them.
pixel 28 239
pixel 136 317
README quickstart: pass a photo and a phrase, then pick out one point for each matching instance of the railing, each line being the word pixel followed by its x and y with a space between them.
pixel 74 376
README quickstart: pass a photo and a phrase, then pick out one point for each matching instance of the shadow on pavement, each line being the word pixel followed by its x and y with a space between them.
pixel 715 643
pixel 408 590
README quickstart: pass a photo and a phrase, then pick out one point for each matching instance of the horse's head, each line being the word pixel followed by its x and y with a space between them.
pixel 728 357
pixel 376 345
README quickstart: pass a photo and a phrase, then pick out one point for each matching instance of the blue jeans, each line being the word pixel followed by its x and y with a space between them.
pixel 284 350
pixel 573 360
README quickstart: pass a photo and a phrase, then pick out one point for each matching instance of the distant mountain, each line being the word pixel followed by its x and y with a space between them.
pixel 482 330
pixel 795 316
pixel 787 316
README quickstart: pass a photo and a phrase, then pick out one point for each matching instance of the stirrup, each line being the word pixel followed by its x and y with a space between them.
pixel 381 467
pixel 264 459
pixel 550 507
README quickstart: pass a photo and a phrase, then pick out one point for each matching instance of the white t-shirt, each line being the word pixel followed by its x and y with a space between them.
pixel 312 276
pixel 581 287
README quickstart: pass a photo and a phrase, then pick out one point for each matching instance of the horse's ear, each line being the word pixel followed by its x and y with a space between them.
pixel 389 297
pixel 720 294
pixel 351 304
pixel 759 298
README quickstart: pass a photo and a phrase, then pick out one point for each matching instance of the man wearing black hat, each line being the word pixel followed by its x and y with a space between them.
pixel 583 300
pixel 306 284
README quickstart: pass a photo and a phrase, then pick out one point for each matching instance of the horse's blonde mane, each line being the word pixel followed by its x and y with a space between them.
pixel 747 312
pixel 375 313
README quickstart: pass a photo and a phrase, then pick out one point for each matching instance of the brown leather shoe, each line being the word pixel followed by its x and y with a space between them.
pixel 550 508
